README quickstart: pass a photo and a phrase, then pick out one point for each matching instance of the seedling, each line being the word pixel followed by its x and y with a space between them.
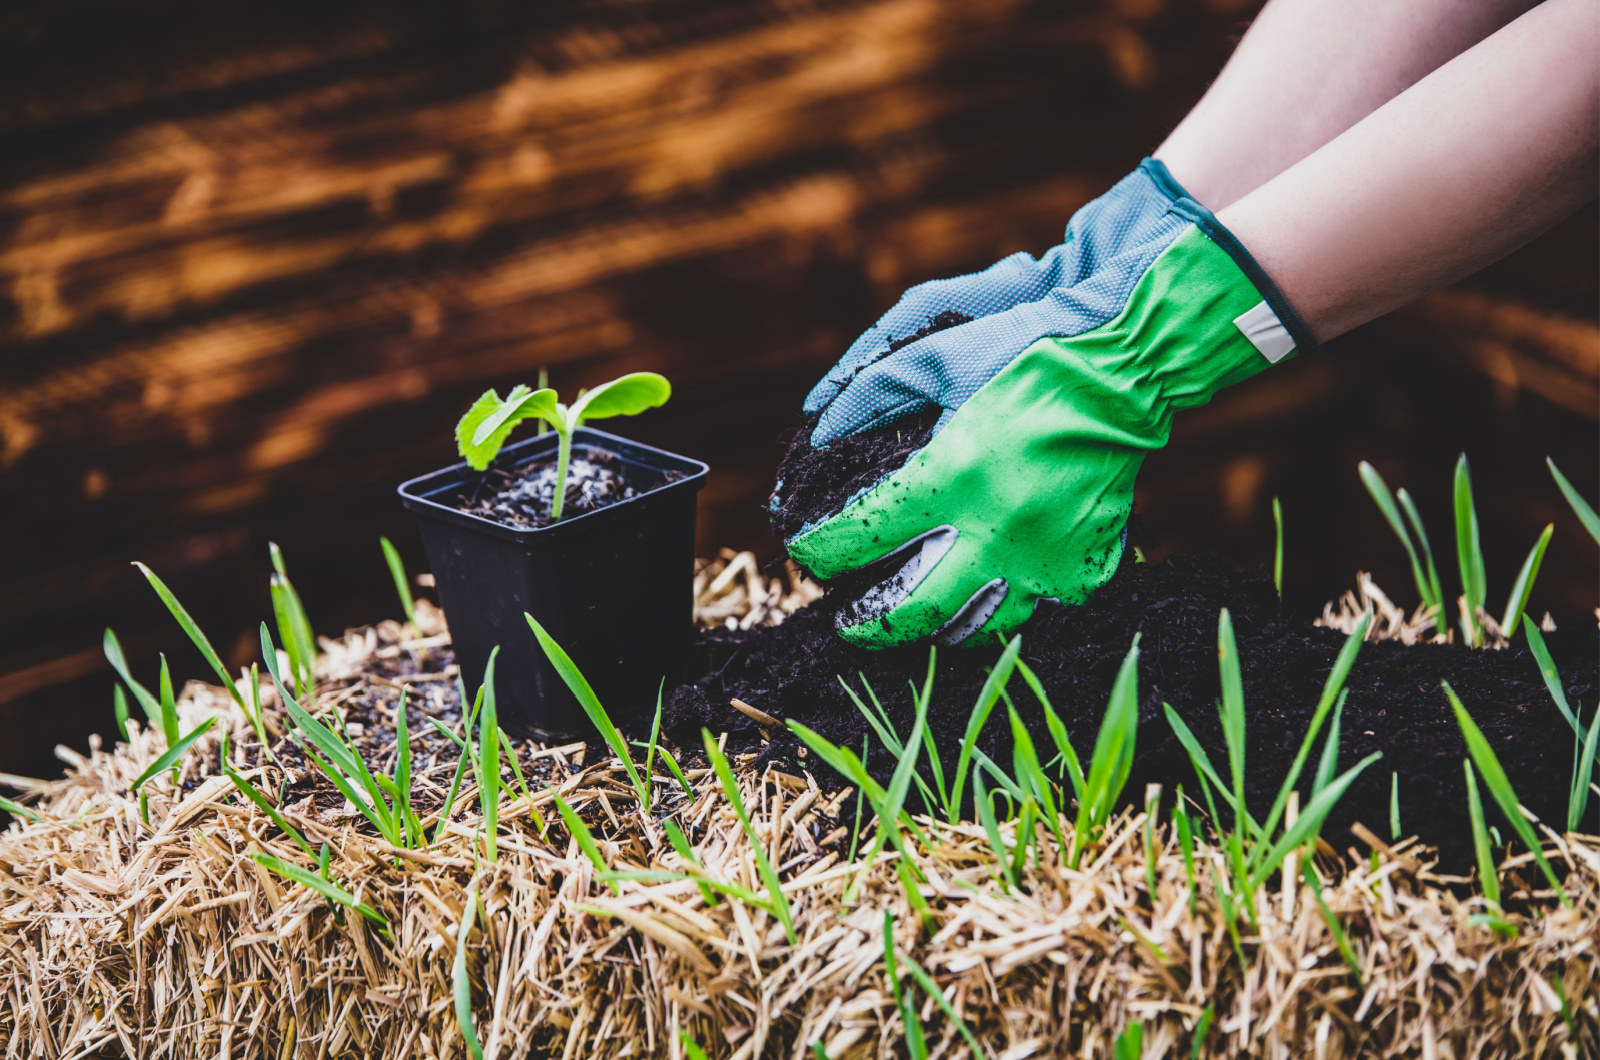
pixel 1277 552
pixel 1394 805
pixel 173 754
pixel 17 809
pixel 1499 784
pixel 776 901
pixel 397 571
pixel 490 420
pixel 294 628
pixel 590 703
pixel 1335 928
pixel 1130 1043
pixel 329 890
pixel 1586 514
pixel 585 838
pixel 461 982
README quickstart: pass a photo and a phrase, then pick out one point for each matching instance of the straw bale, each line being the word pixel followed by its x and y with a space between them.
pixel 165 940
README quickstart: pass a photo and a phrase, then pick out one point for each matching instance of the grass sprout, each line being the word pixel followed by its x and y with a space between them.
pixel 18 810
pixel 294 627
pixel 328 889
pixel 585 838
pixel 1130 1043
pixel 461 981
pixel 987 698
pixel 1580 507
pixel 488 762
pixel 187 624
pixel 776 901
pixel 1428 587
pixel 1335 928
pixel 1483 757
pixel 402 586
pixel 1394 805
pixel 119 710
pixel 1277 552
pixel 586 698
pixel 174 754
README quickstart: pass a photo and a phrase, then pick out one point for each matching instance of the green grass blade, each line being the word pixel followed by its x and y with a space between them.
pixel 1332 690
pixel 1488 875
pixel 1586 514
pixel 283 614
pixel 113 651
pixel 1379 489
pixel 119 710
pixel 1469 552
pixel 987 698
pixel 248 790
pixel 692 1047
pixel 650 752
pixel 1025 762
pixel 677 774
pixel 1335 928
pixel 461 762
pixel 402 773
pixel 1112 760
pixel 331 891
pixel 193 631
pixel 680 843
pixel 1202 763
pixel 1522 588
pixel 916 1044
pixel 935 766
pixel 1483 757
pixel 402 585
pixel 991 829
pixel 299 624
pixel 489 761
pixel 581 833
pixel 885 732
pixel 1547 670
pixel 1180 817
pixel 18 810
pixel 169 705
pixel 1130 1043
pixel 1309 823
pixel 931 988
pixel 1058 731
pixel 1328 764
pixel 1578 799
pixel 1152 807
pixel 461 982
pixel 777 901
pixel 1277 552
pixel 586 698
pixel 1232 703
pixel 173 753
pixel 1201 1028
pixel 1394 806
pixel 1414 517
pixel 510 752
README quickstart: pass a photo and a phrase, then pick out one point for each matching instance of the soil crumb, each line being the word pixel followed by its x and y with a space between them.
pixel 520 496
pixel 1395 705
pixel 815 483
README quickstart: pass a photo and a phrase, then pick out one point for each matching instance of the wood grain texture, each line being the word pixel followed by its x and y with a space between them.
pixel 254 263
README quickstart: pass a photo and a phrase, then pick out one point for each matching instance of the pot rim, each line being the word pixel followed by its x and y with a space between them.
pixel 417 494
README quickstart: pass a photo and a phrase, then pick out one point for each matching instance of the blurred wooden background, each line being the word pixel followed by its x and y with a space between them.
pixel 255 260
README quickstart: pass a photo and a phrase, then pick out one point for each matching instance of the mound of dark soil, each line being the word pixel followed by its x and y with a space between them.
pixel 520 496
pixel 1395 704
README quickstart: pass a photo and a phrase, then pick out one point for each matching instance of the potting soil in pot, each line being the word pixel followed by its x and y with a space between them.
pixel 520 497
pixel 1395 704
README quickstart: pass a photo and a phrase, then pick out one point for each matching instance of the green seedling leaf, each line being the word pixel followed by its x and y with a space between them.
pixel 586 698
pixel 1130 1043
pixel 487 424
pixel 461 762
pixel 1025 763
pixel 402 773
pixel 1308 824
pixel 1180 816
pixel 1394 806
pixel 991 830
pixel 248 790
pixel 16 809
pixel 931 988
pixel 1586 514
pixel 294 627
pixel 488 764
pixel 987 697
pixel 1232 703
pixel 174 753
pixel 189 627
pixel 402 585
pixel 650 752
pixel 1578 797
pixel 1058 731
pixel 692 1047
pixel 1277 552
pixel 119 710
pixel 628 395
pixel 169 705
pixel 1202 1027
pixel 680 843
pixel 113 652
pixel 1435 588
pixel 461 981
pixel 1499 784
pixel 1547 670
pixel 916 1043
pixel 581 833
pixel 844 761
pixel 1522 588
pixel 331 891
pixel 1152 807
pixel 1469 553
pixel 1328 764
pixel 1488 874
pixel 1335 928
pixel 1379 489
pixel 510 751
pixel 1113 754
pixel 776 901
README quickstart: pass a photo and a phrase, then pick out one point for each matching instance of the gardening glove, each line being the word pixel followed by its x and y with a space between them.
pixel 1123 216
pixel 1023 493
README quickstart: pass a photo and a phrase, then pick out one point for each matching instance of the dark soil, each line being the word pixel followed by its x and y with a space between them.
pixel 520 496
pixel 815 483
pixel 1395 704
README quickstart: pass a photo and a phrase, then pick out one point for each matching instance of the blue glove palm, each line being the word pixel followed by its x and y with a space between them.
pixel 1131 213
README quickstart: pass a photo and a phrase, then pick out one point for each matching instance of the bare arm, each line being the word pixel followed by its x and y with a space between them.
pixel 1467 165
pixel 1306 71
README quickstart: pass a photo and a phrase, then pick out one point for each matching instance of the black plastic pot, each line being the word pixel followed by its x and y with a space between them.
pixel 614 587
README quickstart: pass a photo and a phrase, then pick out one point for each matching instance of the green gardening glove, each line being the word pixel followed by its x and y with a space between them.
pixel 1024 492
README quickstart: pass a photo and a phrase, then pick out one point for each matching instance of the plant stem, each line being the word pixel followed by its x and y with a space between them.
pixel 563 456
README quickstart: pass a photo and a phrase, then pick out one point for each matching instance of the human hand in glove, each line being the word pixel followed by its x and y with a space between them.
pixel 1128 214
pixel 1023 493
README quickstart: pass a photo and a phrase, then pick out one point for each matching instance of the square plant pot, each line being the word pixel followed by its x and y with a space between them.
pixel 614 586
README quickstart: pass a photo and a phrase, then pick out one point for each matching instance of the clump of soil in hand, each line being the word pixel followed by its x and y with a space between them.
pixel 816 483
pixel 520 497
pixel 1395 704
